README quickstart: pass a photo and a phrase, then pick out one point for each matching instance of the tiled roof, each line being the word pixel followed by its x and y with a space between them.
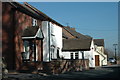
pixel 76 34
pixel 32 32
pixel 76 44
pixel 99 42
pixel 64 36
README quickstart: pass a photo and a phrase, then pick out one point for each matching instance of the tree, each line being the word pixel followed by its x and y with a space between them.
pixel 109 53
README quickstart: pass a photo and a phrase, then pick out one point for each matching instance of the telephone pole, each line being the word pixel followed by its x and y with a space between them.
pixel 115 45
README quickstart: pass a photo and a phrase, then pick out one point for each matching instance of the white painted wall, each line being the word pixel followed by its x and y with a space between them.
pixel 45 41
pixel 53 33
pixel 67 54
pixel 102 57
pixel 56 31
pixel 90 55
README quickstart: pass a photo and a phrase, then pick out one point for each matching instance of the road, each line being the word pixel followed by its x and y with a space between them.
pixel 107 72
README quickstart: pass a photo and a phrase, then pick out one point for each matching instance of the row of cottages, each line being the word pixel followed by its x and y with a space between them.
pixel 30 38
pixel 83 47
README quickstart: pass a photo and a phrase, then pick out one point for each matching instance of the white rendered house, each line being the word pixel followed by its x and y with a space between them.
pixel 52 42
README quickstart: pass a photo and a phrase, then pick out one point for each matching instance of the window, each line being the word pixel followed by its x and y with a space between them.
pixel 28 50
pixel 71 55
pixel 52 51
pixel 58 54
pixel 26 53
pixel 34 22
pixel 76 56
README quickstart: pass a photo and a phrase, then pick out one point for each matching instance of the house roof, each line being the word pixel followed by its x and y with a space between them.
pixel 32 11
pixel 76 34
pixel 46 17
pixel 64 36
pixel 76 44
pixel 32 32
pixel 26 10
pixel 99 42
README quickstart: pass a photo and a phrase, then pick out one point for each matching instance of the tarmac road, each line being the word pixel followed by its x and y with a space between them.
pixel 100 73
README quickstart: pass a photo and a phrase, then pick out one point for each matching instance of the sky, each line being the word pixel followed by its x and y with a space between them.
pixel 66 0
pixel 96 19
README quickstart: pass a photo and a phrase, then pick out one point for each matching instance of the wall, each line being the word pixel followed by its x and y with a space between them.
pixel 90 55
pixel 62 66
pixel 52 40
pixel 56 39
pixel 102 56
pixel 67 54
pixel 45 41
pixel 7 35
pixel 22 21
pixel 14 23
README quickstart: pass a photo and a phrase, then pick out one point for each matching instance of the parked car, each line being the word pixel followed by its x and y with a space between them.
pixel 112 60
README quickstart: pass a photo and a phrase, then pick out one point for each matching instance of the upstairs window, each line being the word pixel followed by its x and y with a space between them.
pixel 34 22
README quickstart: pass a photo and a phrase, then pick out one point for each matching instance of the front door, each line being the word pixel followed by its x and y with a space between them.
pixel 97 60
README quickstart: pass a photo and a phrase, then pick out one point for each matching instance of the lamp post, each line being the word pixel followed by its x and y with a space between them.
pixel 115 45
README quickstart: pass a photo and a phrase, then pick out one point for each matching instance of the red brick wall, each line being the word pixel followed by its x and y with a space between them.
pixel 22 21
pixel 7 35
pixel 13 24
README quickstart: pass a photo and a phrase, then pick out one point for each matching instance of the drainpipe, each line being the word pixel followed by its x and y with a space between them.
pixel 49 40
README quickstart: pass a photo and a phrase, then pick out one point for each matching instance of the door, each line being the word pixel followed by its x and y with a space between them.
pixel 97 60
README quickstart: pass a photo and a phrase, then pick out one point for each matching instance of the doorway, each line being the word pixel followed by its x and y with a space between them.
pixel 97 60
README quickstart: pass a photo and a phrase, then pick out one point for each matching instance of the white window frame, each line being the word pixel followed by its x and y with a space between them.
pixel 34 22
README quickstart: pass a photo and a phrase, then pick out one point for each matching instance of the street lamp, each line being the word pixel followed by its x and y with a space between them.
pixel 115 52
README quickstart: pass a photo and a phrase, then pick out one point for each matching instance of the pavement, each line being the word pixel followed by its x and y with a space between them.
pixel 105 72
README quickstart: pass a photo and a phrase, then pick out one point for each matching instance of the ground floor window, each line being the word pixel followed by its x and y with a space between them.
pixel 71 54
pixel 29 53
pixel 58 56
pixel 76 55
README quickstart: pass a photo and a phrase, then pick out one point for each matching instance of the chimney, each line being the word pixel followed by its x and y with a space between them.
pixel 73 29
